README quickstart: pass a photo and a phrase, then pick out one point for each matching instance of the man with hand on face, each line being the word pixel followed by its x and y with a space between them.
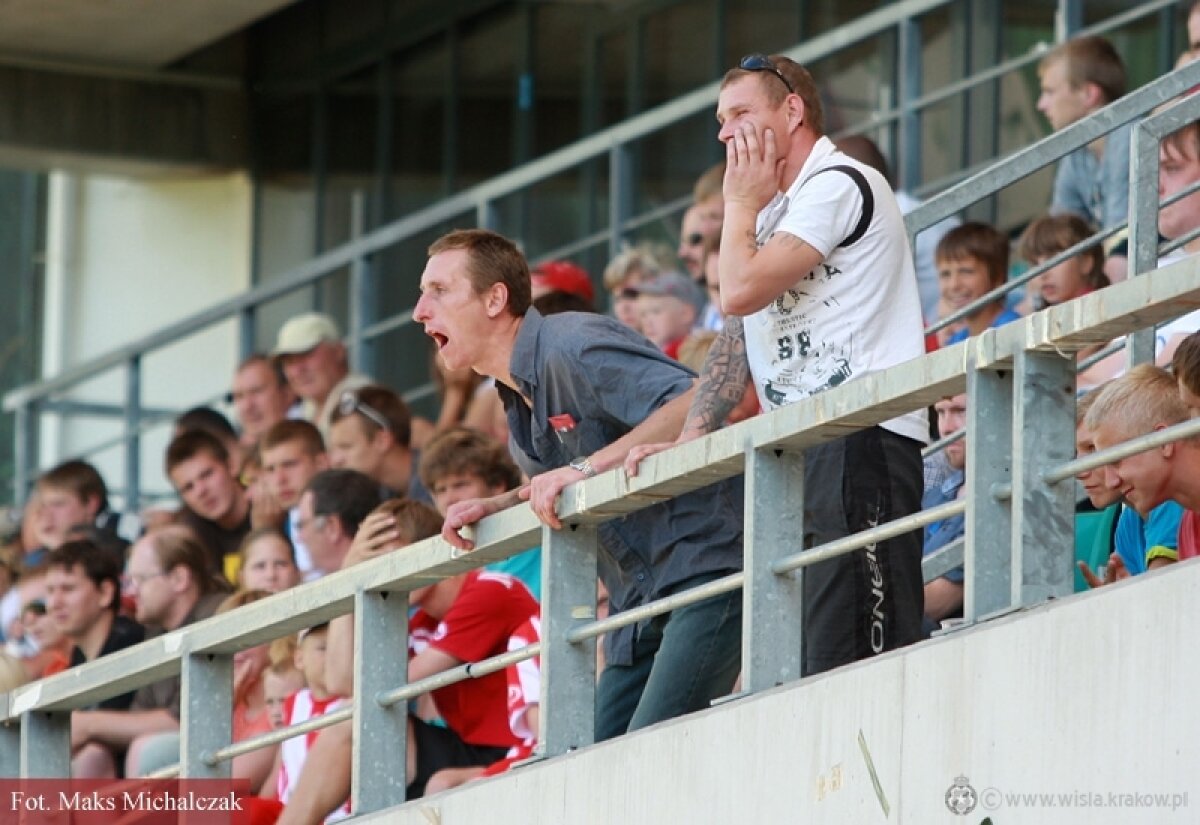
pixel 818 288
pixel 578 391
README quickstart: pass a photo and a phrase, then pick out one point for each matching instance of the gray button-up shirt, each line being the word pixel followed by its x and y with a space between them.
pixel 609 379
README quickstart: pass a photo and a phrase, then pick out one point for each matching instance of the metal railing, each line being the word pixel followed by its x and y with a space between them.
pixel 1018 551
pixel 31 401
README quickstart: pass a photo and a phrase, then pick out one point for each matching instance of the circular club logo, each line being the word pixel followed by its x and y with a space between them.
pixel 961 798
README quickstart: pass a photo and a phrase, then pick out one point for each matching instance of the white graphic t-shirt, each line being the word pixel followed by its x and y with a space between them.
pixel 858 312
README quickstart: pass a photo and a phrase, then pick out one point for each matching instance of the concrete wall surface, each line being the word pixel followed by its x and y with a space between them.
pixel 1079 711
pixel 127 256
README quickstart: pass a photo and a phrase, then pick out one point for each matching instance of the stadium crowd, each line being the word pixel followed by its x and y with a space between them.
pixel 793 274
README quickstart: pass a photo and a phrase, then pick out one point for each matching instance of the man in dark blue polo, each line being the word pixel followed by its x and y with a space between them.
pixel 579 391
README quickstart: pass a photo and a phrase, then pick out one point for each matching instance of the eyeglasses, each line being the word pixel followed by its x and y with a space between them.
pixel 304 523
pixel 762 63
pixel 350 403
pixel 139 579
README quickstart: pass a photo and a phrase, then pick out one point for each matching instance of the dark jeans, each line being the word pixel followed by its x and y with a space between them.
pixel 681 662
pixel 869 601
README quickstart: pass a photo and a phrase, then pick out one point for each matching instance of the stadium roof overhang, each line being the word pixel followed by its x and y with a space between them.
pixel 129 34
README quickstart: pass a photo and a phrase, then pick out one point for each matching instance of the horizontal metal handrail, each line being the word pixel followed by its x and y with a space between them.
pixel 1053 147
pixel 1036 52
pixel 1111 455
pixel 1045 266
pixel 885 531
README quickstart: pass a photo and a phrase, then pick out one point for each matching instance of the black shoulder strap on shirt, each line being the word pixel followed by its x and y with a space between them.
pixel 868 200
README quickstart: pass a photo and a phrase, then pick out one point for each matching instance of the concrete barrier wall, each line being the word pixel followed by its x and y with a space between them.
pixel 1080 711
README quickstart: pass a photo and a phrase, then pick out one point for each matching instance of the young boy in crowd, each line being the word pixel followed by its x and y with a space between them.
pixel 524 701
pixel 292 453
pixel 280 680
pixel 310 702
pixel 462 464
pixel 70 494
pixel 667 310
pixel 1142 540
pixel 972 260
pixel 465 618
pixel 1051 235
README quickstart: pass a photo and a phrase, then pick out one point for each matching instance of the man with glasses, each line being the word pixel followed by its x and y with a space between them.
pixel 169 577
pixel 817 283
pixel 370 431
pixel 330 511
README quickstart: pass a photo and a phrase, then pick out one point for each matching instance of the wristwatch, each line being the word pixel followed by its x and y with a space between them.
pixel 584 465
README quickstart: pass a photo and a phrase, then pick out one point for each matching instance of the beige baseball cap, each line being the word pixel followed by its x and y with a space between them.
pixel 302 333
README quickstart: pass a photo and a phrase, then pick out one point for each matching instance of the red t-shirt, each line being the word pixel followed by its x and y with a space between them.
pixel 489 608
pixel 1189 535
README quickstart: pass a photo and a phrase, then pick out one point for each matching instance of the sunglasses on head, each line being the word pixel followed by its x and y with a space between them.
pixel 350 403
pixel 762 63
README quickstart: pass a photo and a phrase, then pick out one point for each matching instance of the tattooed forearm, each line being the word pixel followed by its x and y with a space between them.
pixel 722 379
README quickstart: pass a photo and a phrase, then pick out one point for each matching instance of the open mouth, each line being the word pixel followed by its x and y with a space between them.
pixel 438 339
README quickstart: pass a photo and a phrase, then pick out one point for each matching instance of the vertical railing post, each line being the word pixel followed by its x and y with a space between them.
pixel 1068 19
pixel 247 333
pixel 378 762
pixel 987 561
pixel 772 626
pixel 1043 516
pixel 485 215
pixel 620 197
pixel 133 439
pixel 46 744
pixel 909 79
pixel 22 452
pixel 1143 229
pixel 206 719
pixel 10 750
pixel 568 706
pixel 362 292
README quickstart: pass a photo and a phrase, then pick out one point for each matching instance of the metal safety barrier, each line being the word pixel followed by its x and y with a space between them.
pixel 1017 552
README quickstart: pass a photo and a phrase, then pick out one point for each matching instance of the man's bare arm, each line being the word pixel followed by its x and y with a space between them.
pixel 723 380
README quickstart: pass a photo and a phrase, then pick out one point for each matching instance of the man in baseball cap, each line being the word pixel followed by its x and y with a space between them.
pixel 562 276
pixel 313 358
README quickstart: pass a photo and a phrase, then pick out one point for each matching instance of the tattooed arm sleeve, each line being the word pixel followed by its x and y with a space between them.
pixel 723 380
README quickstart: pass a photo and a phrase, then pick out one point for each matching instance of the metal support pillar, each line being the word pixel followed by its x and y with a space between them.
pixel 772 615
pixel 10 750
pixel 247 334
pixel 1143 229
pixel 1068 19
pixel 909 82
pixel 46 744
pixel 362 293
pixel 133 440
pixel 206 724
pixel 620 196
pixel 378 765
pixel 568 714
pixel 24 452
pixel 1043 520
pixel 988 519
pixel 487 216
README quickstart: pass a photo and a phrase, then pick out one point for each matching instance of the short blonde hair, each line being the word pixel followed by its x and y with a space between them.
pixel 1140 400
pixel 635 262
